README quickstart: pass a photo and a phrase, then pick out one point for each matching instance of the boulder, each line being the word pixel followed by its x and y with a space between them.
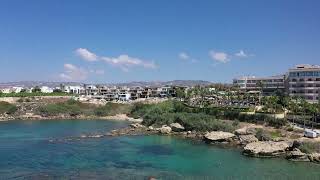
pixel 266 148
pixel 297 155
pixel 246 139
pixel 165 129
pixel 150 128
pixel 218 136
pixel 245 131
pixel 314 157
pixel 176 127
pixel 137 125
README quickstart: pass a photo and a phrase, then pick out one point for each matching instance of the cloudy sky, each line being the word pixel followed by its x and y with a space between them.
pixel 120 41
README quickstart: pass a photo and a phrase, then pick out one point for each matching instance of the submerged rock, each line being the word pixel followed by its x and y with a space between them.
pixel 266 148
pixel 176 127
pixel 246 139
pixel 218 136
pixel 297 155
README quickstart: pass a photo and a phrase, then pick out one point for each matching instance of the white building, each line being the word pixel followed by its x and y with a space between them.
pixel 73 89
pixel 304 81
pixel 16 89
pixel 46 89
pixel 6 90
pixel 124 96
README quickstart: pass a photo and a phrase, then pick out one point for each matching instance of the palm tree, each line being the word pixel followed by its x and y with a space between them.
pixel 313 110
pixel 305 107
pixel 260 85
pixel 294 108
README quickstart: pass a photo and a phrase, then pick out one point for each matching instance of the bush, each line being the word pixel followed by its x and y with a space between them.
pixel 191 121
pixel 70 107
pixel 263 135
pixel 310 147
pixel 164 112
pixel 7 108
pixel 111 109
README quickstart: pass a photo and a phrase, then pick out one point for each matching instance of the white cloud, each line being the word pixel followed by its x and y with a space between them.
pixel 86 55
pixel 73 73
pixel 125 62
pixel 219 56
pixel 241 53
pixel 183 56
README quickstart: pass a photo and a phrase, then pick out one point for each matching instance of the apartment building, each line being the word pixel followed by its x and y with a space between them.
pixel 268 85
pixel 304 81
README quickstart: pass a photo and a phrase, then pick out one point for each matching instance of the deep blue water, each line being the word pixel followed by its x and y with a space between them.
pixel 53 150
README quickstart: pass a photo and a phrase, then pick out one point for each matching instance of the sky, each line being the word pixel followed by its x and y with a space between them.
pixel 110 41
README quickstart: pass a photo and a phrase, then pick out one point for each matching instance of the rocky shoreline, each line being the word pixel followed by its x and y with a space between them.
pixel 30 116
pixel 243 138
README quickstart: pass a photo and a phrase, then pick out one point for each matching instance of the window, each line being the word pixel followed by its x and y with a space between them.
pixel 301 80
pixel 309 97
pixel 294 80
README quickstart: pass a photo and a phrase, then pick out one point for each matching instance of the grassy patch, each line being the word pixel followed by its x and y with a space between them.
pixel 310 147
pixel 111 109
pixel 7 108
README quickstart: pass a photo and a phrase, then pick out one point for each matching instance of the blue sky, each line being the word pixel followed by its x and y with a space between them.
pixel 120 41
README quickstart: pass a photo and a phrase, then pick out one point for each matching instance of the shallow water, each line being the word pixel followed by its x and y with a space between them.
pixel 52 150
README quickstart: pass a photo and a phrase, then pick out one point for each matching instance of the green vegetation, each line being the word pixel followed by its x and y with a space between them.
pixel 111 109
pixel 71 107
pixel 263 135
pixel 175 111
pixel 200 119
pixel 310 147
pixel 25 94
pixel 7 108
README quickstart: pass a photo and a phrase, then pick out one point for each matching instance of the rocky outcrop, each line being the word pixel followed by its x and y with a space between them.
pixel 165 129
pixel 297 155
pixel 314 157
pixel 245 131
pixel 218 136
pixel 266 148
pixel 176 127
pixel 137 125
pixel 246 139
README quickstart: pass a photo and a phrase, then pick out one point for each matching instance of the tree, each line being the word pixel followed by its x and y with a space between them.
pixel 294 108
pixel 314 111
pixel 260 85
pixel 36 89
pixel 180 93
pixel 305 108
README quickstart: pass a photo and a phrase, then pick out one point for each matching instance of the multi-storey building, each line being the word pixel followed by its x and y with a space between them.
pixel 268 85
pixel 304 81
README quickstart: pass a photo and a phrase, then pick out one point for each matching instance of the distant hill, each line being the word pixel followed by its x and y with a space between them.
pixel 29 84
pixel 163 83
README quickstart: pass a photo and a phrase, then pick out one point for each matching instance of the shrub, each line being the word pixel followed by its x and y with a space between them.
pixel 191 121
pixel 111 109
pixel 7 108
pixel 263 135
pixel 310 147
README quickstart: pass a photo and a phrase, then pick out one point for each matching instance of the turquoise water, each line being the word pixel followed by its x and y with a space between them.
pixel 52 150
